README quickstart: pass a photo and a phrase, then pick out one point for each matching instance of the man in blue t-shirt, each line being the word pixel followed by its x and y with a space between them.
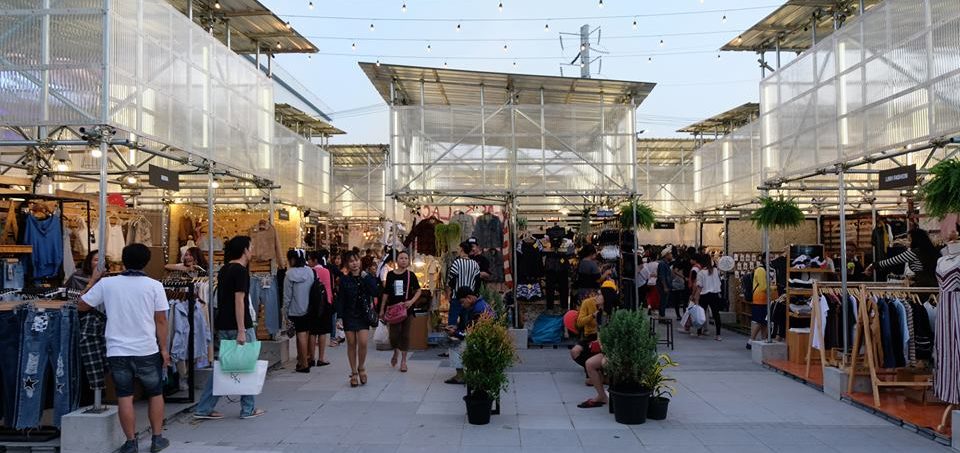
pixel 473 307
pixel 664 278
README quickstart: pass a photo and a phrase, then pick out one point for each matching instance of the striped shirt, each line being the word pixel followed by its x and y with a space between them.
pixel 464 272
pixel 909 258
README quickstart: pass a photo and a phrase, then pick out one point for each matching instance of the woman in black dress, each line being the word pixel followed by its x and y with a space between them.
pixel 354 303
pixel 402 287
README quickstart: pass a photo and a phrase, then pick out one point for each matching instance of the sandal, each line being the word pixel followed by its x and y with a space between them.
pixel 363 377
pixel 210 416
pixel 393 361
pixel 454 381
pixel 322 363
pixel 403 367
pixel 591 403
pixel 256 413
pixel 353 380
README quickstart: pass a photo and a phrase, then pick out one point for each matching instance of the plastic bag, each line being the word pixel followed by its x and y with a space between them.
pixel 233 383
pixel 698 317
pixel 235 358
pixel 381 336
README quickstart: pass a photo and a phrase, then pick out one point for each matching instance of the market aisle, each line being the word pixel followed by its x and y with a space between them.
pixel 723 403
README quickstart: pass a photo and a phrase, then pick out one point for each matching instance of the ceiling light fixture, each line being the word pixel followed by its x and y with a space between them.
pixel 95 152
pixel 63 165
pixel 216 5
pixel 131 179
pixel 215 184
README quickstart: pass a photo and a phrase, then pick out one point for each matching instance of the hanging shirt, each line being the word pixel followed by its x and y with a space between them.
pixel 265 243
pixel 466 225
pixel 46 238
pixel 69 266
pixel 139 232
pixel 488 231
pixel 115 242
pixel 424 234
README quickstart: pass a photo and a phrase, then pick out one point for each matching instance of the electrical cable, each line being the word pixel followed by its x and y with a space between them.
pixel 382 57
pixel 530 19
pixel 498 40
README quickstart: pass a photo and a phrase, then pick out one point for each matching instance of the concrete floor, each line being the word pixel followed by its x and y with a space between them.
pixel 723 403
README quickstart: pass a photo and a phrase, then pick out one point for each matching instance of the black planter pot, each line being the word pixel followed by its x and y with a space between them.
pixel 630 408
pixel 657 408
pixel 478 409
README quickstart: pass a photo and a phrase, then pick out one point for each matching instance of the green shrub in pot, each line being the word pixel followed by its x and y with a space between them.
pixel 629 346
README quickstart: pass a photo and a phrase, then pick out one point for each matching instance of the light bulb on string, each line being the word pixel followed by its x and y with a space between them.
pixel 583 47
pixel 649 59
pixel 378 62
pixel 215 184
pixel 718 56
pixel 582 65
pixel 289 26
pixel 279 46
pixel 546 27
pixel 661 43
pixel 458 27
pixel 724 19
pixel 739 39
pixel 600 4
pixel 635 25
pixel 504 48
pixel 372 27
pixel 403 8
pixel 216 5
pixel 429 48
pixel 63 166
pixel 309 57
pixel 310 5
pixel 95 152
pixel 514 64
pixel 353 46
pixel 500 6
pixel 444 64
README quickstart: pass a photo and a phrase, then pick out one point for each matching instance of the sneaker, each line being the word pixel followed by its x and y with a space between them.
pixel 158 443
pixel 130 446
pixel 210 416
pixel 256 413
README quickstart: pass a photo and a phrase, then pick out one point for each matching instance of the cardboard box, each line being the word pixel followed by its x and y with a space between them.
pixel 419 328
pixel 798 340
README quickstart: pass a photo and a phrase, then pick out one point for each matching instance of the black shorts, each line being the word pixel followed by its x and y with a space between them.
pixel 302 323
pixel 148 369
pixel 585 353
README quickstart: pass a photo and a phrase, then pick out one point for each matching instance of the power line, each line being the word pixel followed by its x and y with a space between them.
pixel 515 58
pixel 531 19
pixel 661 35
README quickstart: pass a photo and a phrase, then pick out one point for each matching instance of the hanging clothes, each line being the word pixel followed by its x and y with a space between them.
pixel 93 347
pixel 69 266
pixel 495 258
pixel 946 382
pixel 115 242
pixel 424 234
pixel 46 238
pixel 488 232
pixel 140 232
pixel 922 332
pixel 83 239
pixel 265 242
pixel 529 262
pixel 185 231
pixel 466 225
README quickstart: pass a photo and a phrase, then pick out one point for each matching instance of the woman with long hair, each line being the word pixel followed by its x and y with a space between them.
pixel 707 291
pixel 326 325
pixel 354 301
pixel 81 277
pixel 192 263
pixel 921 258
pixel 296 298
pixel 402 287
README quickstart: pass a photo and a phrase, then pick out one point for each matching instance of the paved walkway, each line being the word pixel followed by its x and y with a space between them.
pixel 723 403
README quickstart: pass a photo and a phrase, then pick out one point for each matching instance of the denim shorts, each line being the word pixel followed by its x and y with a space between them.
pixel 148 369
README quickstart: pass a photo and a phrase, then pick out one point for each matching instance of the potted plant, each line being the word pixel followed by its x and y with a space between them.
pixel 940 194
pixel 777 213
pixel 659 385
pixel 630 349
pixel 644 213
pixel 487 353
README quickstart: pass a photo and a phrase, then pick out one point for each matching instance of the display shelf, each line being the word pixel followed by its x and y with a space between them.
pixel 809 270
pixel 16 249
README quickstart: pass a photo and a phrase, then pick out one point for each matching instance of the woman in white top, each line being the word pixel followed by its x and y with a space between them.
pixel 707 291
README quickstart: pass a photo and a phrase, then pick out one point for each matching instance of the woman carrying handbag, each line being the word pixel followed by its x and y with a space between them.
pixel 356 314
pixel 401 293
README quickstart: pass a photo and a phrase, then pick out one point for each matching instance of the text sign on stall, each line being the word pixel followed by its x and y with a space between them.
pixel 664 226
pixel 898 177
pixel 283 214
pixel 162 178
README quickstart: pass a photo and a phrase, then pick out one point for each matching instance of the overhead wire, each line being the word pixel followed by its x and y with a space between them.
pixel 616 37
pixel 530 19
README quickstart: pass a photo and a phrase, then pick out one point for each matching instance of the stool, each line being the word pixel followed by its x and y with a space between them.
pixel 667 321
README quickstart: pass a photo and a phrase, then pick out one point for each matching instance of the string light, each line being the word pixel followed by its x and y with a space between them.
pixel 661 43
pixel 649 59
pixel 429 48
pixel 514 64
pixel 63 166
pixel 279 46
pixel 353 47
pixel 724 20
pixel 216 184
pixel 309 57
pixel 635 26
pixel 95 152
pixel 504 48
pixel 583 47
pixel 310 5
pixel 444 64
pixel 739 39
pixel 718 56
pixel 582 65
pixel 372 28
pixel 403 8
pixel 600 5
pixel 216 5
pixel 131 179
pixel 546 27
pixel 289 27
pixel 500 6
pixel 378 62
pixel 458 27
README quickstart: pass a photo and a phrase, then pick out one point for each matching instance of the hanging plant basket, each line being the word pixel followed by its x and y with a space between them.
pixel 645 216
pixel 777 213
pixel 940 194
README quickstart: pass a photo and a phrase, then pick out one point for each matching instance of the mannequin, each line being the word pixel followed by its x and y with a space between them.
pixel 946 383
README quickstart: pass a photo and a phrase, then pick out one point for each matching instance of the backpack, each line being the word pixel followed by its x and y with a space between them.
pixel 318 298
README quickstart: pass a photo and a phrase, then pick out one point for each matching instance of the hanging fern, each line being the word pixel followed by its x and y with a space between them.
pixel 777 213
pixel 447 237
pixel 644 213
pixel 941 193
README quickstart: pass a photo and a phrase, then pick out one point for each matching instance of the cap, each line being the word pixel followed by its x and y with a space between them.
pixel 465 291
pixel 472 240
pixel 666 250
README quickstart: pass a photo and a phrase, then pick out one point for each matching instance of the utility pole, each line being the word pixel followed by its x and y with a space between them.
pixel 583 57
pixel 585 51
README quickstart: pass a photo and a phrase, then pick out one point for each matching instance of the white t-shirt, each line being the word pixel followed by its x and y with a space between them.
pixel 130 302
pixel 708 283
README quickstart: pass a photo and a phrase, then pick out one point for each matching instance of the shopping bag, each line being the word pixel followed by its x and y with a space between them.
pixel 698 317
pixel 685 322
pixel 232 383
pixel 239 358
pixel 381 336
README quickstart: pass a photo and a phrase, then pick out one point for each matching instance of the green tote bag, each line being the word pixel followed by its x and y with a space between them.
pixel 235 358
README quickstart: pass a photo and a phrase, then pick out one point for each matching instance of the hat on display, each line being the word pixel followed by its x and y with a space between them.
pixel 726 264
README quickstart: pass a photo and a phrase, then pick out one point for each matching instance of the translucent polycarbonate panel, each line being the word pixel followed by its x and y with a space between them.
pixel 884 81
pixel 728 170
pixel 525 149
pixel 50 63
pixel 300 170
pixel 358 190
pixel 178 85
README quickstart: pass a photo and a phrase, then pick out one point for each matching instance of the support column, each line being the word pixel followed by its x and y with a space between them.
pixel 766 268
pixel 843 254
pixel 105 138
pixel 636 287
pixel 211 194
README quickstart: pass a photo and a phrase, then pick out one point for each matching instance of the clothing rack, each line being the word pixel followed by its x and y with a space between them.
pixel 863 336
pixel 822 288
pixel 175 289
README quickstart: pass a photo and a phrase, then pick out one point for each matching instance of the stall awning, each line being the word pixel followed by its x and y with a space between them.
pixel 358 155
pixel 666 151
pixel 304 124
pixel 250 22
pixel 455 87
pixel 726 121
pixel 792 23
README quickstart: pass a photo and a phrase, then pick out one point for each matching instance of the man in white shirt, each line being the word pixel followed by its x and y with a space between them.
pixel 136 333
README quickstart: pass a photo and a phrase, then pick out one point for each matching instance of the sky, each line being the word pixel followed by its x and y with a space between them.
pixel 692 82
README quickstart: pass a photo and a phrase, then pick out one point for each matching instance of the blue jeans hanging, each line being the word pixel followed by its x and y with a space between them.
pixel 47 340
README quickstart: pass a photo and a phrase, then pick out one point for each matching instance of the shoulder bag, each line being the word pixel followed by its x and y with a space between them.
pixel 397 313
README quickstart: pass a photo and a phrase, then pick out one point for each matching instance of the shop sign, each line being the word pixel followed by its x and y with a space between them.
pixel 283 214
pixel 898 177
pixel 162 178
pixel 664 226
pixel 605 213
